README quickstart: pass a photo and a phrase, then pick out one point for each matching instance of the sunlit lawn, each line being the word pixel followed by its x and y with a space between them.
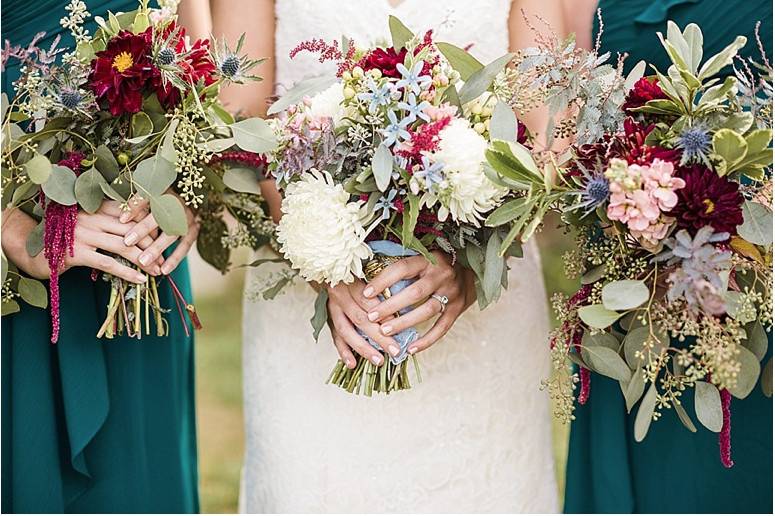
pixel 219 384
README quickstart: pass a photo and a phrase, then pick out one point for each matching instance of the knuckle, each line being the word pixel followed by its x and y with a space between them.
pixel 361 318
pixel 105 262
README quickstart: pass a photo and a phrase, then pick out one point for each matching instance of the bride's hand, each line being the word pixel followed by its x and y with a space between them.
pixel 348 309
pixel 444 279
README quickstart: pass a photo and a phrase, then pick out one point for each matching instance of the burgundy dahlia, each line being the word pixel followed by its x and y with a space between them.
pixel 707 200
pixel 644 90
pixel 385 60
pixel 121 72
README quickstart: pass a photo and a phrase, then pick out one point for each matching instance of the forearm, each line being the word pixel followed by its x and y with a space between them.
pixel 17 226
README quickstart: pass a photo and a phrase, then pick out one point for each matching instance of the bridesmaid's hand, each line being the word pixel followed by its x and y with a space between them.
pixel 444 279
pixel 348 309
pixel 147 226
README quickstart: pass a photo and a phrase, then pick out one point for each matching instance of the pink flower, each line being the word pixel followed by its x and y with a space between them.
pixel 654 233
pixel 444 110
pixel 658 180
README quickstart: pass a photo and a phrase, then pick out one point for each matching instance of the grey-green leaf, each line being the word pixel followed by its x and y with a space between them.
pixel 241 180
pixel 320 317
pixel 34 243
pixel 750 368
pixel 38 169
pixel 33 292
pixel 503 124
pixel 493 267
pixel 462 62
pixel 399 33
pixel 757 223
pixel 141 125
pixel 598 316
pixel 106 163
pixel 88 190
pixel 645 413
pixel 254 135
pixel 169 213
pixel 382 167
pixel 607 362
pixel 481 80
pixel 756 340
pixel 766 380
pixel 707 405
pixel 307 87
pixel 154 175
pixel 634 389
pixel 60 186
pixel 625 294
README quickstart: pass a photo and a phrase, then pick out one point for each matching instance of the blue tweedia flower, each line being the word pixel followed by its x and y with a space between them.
pixel 385 203
pixel 413 109
pixel 412 80
pixel 430 173
pixel 377 95
pixel 395 131
pixel 695 143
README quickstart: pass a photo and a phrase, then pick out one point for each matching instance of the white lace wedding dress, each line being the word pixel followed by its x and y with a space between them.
pixel 475 436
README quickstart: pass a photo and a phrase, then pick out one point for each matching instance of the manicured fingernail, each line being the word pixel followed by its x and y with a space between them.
pixel 157 270
pixel 412 351
pixel 393 350
pixel 376 359
pixel 130 239
pixel 145 259
pixel 348 363
pixel 368 292
pixel 373 316
pixel 165 269
pixel 124 218
pixel 387 329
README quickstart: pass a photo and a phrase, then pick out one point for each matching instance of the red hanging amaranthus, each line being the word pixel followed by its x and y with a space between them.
pixel 59 239
pixel 724 437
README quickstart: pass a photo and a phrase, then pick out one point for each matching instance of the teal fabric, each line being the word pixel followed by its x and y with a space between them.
pixel 93 425
pixel 672 470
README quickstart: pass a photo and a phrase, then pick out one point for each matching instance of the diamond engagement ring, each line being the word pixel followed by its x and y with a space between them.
pixel 443 300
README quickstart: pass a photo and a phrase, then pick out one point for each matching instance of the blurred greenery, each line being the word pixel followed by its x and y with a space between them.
pixel 219 381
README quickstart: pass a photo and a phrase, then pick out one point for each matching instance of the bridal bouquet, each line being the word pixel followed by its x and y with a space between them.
pixel 673 216
pixel 384 159
pixel 130 113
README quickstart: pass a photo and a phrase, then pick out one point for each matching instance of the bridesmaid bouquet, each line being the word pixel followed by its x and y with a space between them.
pixel 130 113
pixel 673 217
pixel 386 158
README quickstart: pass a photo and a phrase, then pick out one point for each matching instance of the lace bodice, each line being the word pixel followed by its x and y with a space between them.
pixel 479 23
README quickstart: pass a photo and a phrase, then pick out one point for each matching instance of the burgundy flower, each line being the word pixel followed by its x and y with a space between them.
pixel 385 60
pixel 121 72
pixel 195 66
pixel 707 200
pixel 644 90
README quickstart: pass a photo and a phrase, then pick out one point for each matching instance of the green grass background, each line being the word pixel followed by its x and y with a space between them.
pixel 219 381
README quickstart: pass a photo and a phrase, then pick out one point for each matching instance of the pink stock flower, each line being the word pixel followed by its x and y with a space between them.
pixel 659 181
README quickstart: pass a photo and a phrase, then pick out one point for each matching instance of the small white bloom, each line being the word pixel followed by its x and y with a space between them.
pixel 466 192
pixel 321 232
pixel 328 104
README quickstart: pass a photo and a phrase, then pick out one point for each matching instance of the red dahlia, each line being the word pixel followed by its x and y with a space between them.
pixel 196 65
pixel 644 90
pixel 707 200
pixel 385 60
pixel 121 72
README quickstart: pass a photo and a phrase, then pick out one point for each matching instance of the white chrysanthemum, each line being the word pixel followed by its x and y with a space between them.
pixel 321 233
pixel 466 192
pixel 328 103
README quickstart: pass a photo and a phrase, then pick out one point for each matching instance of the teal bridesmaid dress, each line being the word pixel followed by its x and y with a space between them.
pixel 672 470
pixel 93 425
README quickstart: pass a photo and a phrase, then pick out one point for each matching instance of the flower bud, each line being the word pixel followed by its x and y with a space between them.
pixel 348 93
pixel 358 72
pixel 476 108
pixel 376 73
pixel 122 158
pixel 479 127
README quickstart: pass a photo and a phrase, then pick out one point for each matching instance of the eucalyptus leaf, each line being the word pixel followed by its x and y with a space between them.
pixel 154 175
pixel 254 135
pixel 756 341
pixel 766 381
pixel 598 316
pixel 605 340
pixel 707 405
pixel 507 212
pixel 683 416
pixel 757 223
pixel 593 275
pixel 481 80
pixel 625 294
pixel 503 124
pixel 88 190
pixel 241 179
pixel 106 163
pixel 34 243
pixel 167 148
pixel 460 60
pixel 307 87
pixel 169 214
pixel 9 307
pixel 141 125
pixel 60 186
pixel 635 341
pixel 607 362
pixel 320 317
pixel 634 389
pixel 493 267
pixel 33 292
pixel 750 368
pixel 3 259
pixel 399 33
pixel 111 192
pixel 220 144
pixel 382 166
pixel 645 413
pixel 38 169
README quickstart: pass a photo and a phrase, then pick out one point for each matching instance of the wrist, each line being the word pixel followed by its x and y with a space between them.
pixel 17 227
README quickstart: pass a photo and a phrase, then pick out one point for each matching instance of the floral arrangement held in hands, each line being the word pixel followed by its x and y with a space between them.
pixel 130 116
pixel 387 157
pixel 673 216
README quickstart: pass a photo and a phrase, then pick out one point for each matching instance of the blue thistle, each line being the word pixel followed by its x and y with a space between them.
pixel 594 193
pixel 230 66
pixel 70 98
pixel 166 56
pixel 695 142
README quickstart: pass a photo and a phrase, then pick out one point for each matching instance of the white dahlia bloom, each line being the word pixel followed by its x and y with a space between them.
pixel 320 232
pixel 328 103
pixel 466 193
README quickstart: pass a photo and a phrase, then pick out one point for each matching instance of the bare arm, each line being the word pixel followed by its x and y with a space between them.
pixel 195 16
pixel 578 16
pixel 521 36
pixel 256 19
